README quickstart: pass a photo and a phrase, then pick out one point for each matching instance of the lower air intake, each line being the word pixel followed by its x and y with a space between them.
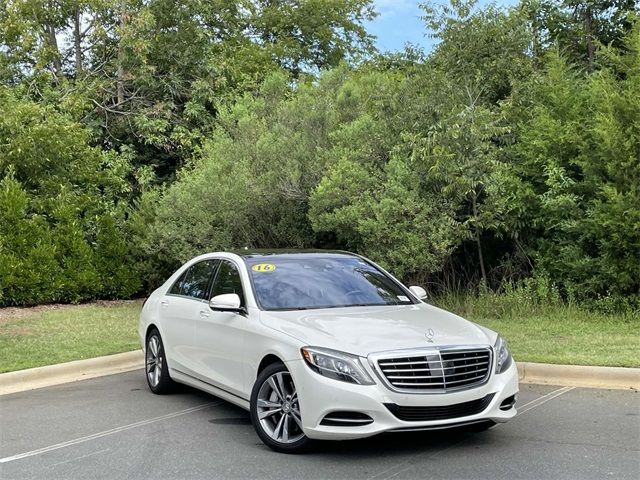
pixel 443 412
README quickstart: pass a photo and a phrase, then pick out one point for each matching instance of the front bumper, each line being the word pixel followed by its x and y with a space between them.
pixel 320 396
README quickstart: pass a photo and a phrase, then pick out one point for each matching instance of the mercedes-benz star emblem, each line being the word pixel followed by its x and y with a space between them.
pixel 430 334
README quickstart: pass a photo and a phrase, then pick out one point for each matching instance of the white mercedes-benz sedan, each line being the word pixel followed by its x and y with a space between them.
pixel 322 345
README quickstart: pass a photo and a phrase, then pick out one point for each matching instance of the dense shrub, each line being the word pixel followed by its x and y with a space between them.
pixel 45 260
pixel 61 205
pixel 29 271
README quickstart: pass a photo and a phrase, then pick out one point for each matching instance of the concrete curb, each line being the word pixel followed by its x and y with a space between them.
pixel 32 378
pixel 538 373
pixel 579 376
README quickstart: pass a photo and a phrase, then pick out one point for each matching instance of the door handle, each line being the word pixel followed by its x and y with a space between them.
pixel 204 314
pixel 164 303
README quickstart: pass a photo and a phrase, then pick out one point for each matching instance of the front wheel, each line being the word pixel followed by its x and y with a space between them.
pixel 275 411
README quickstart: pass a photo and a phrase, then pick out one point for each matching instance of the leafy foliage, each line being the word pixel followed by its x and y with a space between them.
pixel 152 75
pixel 60 201
pixel 135 135
pixel 578 151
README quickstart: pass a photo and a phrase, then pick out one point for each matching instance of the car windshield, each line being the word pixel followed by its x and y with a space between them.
pixel 300 282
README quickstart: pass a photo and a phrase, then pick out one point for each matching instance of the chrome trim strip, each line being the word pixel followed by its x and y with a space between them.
pixel 348 420
pixel 466 379
pixel 439 351
pixel 469 372
pixel 210 384
pixel 409 377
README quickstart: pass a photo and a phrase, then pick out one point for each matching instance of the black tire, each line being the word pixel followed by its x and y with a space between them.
pixel 163 384
pixel 296 445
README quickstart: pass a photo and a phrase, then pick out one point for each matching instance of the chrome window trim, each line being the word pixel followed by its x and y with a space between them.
pixel 185 297
pixel 374 358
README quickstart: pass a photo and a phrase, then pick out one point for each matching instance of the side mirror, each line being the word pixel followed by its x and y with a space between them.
pixel 229 302
pixel 419 292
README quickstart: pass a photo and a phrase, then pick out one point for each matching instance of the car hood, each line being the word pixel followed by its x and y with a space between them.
pixel 364 330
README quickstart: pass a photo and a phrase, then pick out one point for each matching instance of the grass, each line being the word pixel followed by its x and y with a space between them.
pixel 550 332
pixel 48 334
pixel 554 332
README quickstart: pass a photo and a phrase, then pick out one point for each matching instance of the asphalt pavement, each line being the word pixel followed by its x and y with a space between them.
pixel 113 427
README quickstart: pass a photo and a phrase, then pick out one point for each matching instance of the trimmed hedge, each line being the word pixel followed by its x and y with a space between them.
pixel 63 258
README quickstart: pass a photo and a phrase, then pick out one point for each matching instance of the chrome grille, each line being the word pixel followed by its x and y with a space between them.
pixel 437 370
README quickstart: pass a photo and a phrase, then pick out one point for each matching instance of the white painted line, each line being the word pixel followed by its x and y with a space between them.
pixel 80 457
pixel 544 399
pixel 532 404
pixel 387 471
pixel 105 433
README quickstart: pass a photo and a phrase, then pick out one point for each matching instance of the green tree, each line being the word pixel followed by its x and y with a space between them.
pixel 485 49
pixel 153 75
pixel 578 151
pixel 579 27
pixel 460 155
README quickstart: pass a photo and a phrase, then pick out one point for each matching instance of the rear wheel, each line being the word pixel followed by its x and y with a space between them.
pixel 157 371
pixel 275 411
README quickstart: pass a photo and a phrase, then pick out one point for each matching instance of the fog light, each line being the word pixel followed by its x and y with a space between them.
pixel 508 403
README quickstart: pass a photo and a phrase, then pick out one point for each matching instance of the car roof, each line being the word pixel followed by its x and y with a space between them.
pixel 256 253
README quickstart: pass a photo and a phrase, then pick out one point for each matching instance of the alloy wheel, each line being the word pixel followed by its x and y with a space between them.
pixel 154 361
pixel 278 408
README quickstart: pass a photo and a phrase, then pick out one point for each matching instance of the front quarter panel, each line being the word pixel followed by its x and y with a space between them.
pixel 261 342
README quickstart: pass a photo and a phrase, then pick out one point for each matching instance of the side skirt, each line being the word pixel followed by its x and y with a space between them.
pixel 181 377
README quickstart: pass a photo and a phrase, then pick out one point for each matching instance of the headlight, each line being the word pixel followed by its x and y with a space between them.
pixel 336 365
pixel 503 357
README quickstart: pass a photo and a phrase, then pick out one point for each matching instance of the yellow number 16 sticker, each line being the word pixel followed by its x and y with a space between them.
pixel 263 267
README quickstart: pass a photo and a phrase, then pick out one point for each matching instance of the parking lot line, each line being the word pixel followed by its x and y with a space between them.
pixel 543 399
pixel 532 404
pixel 80 457
pixel 105 433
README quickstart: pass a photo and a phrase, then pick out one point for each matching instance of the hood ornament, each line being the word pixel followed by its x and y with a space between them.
pixel 430 334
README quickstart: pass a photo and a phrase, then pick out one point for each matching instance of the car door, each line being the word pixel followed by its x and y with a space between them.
pixel 220 336
pixel 179 309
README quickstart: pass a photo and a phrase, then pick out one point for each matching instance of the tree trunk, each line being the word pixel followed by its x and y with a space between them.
pixel 483 271
pixel 50 35
pixel 588 34
pixel 77 41
pixel 120 86
pixel 120 75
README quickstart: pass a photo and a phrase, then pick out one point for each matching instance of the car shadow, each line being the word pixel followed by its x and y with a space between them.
pixel 401 443
pixel 397 443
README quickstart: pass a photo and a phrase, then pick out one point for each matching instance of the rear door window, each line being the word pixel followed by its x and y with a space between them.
pixel 195 281
pixel 177 287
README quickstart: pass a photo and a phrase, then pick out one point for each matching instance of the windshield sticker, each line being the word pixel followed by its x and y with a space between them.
pixel 263 267
pixel 402 298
